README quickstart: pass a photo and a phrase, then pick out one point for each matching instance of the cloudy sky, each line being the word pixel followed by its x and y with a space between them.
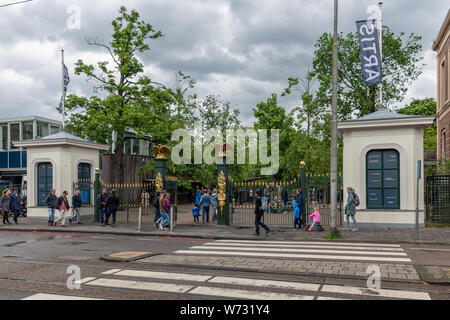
pixel 242 50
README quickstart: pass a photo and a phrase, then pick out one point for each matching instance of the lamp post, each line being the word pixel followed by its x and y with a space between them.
pixel 333 175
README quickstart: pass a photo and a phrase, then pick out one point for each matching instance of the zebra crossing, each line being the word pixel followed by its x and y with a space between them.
pixel 236 287
pixel 222 286
pixel 335 251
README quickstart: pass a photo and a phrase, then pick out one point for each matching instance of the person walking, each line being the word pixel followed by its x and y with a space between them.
pixel 205 202
pixel 350 210
pixel 5 205
pixel 157 211
pixel 164 210
pixel 76 207
pixel 112 203
pixel 16 203
pixel 198 196
pixel 52 204
pixel 300 199
pixel 259 212
pixel 214 202
pixel 266 198
pixel 63 207
pixel 285 198
pixel 101 202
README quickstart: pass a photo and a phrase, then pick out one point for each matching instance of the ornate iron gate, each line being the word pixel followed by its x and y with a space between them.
pixel 280 213
pixel 437 199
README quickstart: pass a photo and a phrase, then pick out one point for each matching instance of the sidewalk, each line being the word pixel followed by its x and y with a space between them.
pixel 426 235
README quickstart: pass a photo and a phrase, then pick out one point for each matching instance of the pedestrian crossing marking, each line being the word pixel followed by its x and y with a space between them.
pixel 262 284
pixel 263 244
pixel 163 275
pixel 291 255
pixel 84 280
pixel 246 294
pixel 46 296
pixel 315 242
pixel 140 285
pixel 400 294
pixel 282 249
pixel 368 252
pixel 111 271
pixel 266 283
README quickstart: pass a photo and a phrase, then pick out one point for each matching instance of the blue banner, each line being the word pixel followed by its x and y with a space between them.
pixel 369 48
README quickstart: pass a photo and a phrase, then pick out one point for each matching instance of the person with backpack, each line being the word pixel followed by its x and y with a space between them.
pixel 157 212
pixel 350 210
pixel 259 212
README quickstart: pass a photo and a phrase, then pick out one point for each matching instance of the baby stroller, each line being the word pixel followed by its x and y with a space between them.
pixel 317 227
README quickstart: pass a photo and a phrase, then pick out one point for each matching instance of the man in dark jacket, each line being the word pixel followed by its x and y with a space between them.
pixel 285 198
pixel 101 202
pixel 76 206
pixel 16 203
pixel 52 203
pixel 258 214
pixel 112 203
pixel 300 199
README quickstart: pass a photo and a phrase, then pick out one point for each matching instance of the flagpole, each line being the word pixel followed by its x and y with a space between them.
pixel 380 28
pixel 63 93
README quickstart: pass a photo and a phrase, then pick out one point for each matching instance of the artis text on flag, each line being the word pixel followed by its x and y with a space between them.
pixel 370 54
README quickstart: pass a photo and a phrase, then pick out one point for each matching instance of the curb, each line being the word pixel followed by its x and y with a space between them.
pixel 214 236
pixel 307 274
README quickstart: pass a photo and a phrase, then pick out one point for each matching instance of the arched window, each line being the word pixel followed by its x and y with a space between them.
pixel 84 182
pixel 383 179
pixel 44 181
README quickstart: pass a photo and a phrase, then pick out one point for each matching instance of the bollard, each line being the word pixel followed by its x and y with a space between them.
pixel 140 218
pixel 171 218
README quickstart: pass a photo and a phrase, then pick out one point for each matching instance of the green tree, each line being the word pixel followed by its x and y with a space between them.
pixel 424 107
pixel 401 66
pixel 131 100
pixel 269 116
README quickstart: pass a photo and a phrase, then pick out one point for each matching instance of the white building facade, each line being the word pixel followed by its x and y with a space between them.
pixel 380 160
pixel 56 162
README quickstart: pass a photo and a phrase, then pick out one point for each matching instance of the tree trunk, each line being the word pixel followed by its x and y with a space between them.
pixel 119 175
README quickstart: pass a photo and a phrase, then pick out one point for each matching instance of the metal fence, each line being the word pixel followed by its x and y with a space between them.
pixel 437 198
pixel 280 213
pixel 132 197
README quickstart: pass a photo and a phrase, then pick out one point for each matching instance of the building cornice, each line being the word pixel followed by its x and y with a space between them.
pixel 442 32
pixel 419 122
pixel 57 142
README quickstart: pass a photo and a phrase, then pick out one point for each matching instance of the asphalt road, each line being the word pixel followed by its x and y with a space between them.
pixel 37 263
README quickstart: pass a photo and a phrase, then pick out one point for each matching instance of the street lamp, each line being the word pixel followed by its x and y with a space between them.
pixel 13 3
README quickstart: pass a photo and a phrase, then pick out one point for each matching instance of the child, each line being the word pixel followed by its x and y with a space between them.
pixel 316 218
pixel 297 219
pixel 196 212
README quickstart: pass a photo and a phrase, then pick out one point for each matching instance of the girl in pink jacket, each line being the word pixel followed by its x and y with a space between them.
pixel 315 218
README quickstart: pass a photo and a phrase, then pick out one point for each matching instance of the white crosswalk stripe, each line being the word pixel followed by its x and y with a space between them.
pixel 243 287
pixel 46 296
pixel 370 252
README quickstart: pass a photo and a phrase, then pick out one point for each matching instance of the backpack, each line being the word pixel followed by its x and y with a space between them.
pixel 356 199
